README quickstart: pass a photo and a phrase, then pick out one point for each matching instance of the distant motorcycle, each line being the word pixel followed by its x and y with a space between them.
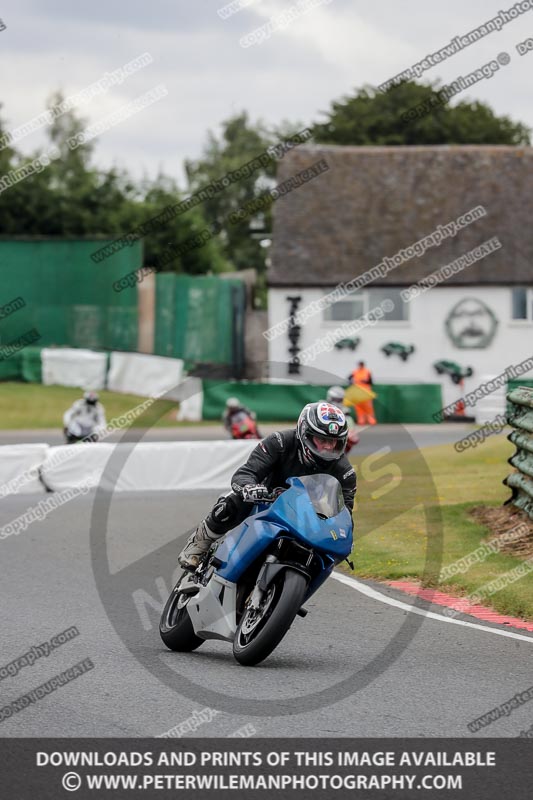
pixel 249 587
pixel 77 432
pixel 353 439
pixel 243 426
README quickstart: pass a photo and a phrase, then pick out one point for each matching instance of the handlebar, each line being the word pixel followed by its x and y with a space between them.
pixel 275 493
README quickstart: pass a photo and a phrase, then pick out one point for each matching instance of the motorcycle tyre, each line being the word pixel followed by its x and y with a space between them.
pixel 281 617
pixel 179 636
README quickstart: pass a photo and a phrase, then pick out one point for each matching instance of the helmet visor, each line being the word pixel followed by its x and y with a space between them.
pixel 328 448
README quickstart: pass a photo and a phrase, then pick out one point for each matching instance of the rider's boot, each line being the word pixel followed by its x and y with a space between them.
pixel 197 545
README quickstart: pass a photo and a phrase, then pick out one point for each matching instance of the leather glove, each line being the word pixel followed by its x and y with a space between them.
pixel 255 493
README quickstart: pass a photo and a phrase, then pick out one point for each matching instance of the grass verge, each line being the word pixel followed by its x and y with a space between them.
pixel 32 405
pixel 399 517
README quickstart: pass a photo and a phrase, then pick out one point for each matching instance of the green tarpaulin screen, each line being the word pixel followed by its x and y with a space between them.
pixel 396 403
pixel 200 319
pixel 31 365
pixel 68 298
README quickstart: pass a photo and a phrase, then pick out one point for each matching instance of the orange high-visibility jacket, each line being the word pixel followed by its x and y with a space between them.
pixel 362 376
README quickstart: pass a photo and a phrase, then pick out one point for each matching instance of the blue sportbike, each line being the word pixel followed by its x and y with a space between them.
pixel 253 582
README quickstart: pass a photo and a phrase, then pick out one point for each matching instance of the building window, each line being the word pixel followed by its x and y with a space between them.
pixel 357 304
pixel 354 307
pixel 522 303
pixel 400 312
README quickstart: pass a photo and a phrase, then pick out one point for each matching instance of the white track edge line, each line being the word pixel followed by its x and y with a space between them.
pixel 375 595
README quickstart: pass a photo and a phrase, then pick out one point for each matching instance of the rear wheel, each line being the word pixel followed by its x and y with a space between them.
pixel 175 627
pixel 260 631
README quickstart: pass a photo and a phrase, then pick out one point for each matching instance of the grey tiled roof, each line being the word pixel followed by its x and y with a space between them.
pixel 374 201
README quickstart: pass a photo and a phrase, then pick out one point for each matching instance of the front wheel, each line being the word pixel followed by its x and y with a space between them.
pixel 260 631
pixel 175 627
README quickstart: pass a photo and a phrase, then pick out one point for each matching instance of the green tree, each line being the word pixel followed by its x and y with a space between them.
pixel 16 207
pixel 372 117
pixel 6 151
pixel 71 198
pixel 72 165
pixel 160 194
pixel 240 142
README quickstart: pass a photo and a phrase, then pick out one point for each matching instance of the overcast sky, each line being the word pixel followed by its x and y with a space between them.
pixel 295 74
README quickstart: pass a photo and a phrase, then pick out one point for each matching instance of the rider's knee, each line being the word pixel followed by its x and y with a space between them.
pixel 225 513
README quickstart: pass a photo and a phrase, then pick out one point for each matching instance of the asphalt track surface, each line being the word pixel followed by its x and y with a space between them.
pixel 371 438
pixel 404 674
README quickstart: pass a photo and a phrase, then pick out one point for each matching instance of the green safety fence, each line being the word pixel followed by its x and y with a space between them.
pixel 201 320
pixel 520 418
pixel 165 318
pixel 11 368
pixel 31 365
pixel 407 402
pixel 68 298
pixel 396 403
pixel 270 401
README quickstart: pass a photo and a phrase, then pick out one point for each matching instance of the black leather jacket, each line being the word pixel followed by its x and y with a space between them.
pixel 278 457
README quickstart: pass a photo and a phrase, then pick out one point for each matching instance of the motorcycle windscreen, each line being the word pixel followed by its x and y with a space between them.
pixel 325 493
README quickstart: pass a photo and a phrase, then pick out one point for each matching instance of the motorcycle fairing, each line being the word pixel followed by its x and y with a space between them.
pixel 292 513
pixel 212 610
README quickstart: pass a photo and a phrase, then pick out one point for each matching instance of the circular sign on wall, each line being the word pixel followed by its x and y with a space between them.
pixel 471 324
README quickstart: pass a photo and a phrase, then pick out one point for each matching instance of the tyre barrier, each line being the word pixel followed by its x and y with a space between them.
pixel 520 417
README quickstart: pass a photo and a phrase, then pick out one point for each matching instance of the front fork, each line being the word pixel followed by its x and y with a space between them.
pixel 261 583
pixel 272 566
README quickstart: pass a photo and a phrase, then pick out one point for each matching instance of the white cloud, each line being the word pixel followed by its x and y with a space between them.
pixel 324 54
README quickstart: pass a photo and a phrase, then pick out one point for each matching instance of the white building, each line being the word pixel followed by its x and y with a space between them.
pixel 408 212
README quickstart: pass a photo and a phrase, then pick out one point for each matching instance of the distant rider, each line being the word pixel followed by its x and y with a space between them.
pixel 88 412
pixel 234 407
pixel 316 445
pixel 335 395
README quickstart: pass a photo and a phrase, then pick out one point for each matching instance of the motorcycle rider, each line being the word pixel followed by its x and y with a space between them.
pixel 234 407
pixel 316 445
pixel 335 396
pixel 88 412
